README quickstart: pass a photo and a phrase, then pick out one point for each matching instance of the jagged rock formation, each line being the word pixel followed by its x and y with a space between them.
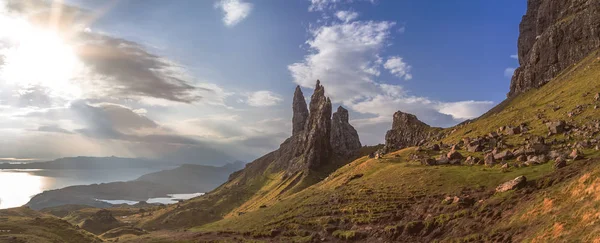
pixel 344 138
pixel 406 131
pixel 310 145
pixel 317 148
pixel 300 112
pixel 553 36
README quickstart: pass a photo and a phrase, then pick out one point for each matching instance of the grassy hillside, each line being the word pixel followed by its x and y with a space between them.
pixel 398 198
pixel 25 225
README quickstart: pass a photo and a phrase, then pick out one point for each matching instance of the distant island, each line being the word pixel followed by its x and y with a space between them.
pixel 183 179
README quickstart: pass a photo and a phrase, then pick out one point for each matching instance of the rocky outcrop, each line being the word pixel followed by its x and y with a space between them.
pixel 553 36
pixel 315 141
pixel 300 112
pixel 317 131
pixel 406 131
pixel 344 138
pixel 100 222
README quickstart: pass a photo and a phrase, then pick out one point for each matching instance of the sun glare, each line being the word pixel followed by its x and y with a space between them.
pixel 17 188
pixel 41 58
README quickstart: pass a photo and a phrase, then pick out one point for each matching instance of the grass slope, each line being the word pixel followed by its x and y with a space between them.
pixel 25 225
pixel 396 198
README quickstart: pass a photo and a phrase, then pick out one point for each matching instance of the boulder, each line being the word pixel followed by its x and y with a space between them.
pixel 435 147
pixel 504 155
pixel 540 148
pixel 522 158
pixel 513 130
pixel 559 163
pixel 474 147
pixel 453 155
pixel 556 127
pixel 442 160
pixel 512 184
pixel 489 159
pixel 576 154
pixel 472 160
pixel 429 161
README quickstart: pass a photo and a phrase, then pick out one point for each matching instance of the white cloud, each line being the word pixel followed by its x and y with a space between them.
pixel 515 56
pixel 346 57
pixel 508 72
pixel 263 98
pixel 322 5
pixel 465 109
pixel 235 11
pixel 398 67
pixel 346 16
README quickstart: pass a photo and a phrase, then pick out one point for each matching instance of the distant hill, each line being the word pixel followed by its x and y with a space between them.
pixel 86 163
pixel 183 179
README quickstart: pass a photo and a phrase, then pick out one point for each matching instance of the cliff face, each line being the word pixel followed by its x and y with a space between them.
pixel 553 36
pixel 406 131
pixel 344 138
pixel 300 112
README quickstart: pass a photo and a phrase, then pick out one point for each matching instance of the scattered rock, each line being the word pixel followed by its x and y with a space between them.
pixel 443 160
pixel 504 155
pixel 435 147
pixel 489 159
pixel 559 163
pixel 474 147
pixel 513 130
pixel 454 155
pixel 576 154
pixel 429 161
pixel 522 158
pixel 556 127
pixel 512 184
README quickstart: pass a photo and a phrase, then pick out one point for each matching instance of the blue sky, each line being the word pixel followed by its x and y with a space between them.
pixel 445 61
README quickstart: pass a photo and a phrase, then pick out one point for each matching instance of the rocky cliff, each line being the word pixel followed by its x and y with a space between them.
pixel 406 131
pixel 553 36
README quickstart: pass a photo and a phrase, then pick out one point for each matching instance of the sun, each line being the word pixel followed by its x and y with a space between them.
pixel 40 58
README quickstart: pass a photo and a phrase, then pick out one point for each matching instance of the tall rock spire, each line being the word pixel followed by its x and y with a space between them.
pixel 344 138
pixel 300 112
pixel 318 129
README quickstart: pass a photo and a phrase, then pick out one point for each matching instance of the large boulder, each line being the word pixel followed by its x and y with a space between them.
pixel 512 184
pixel 554 35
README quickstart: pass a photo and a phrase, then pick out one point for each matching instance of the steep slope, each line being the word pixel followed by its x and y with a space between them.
pixel 305 158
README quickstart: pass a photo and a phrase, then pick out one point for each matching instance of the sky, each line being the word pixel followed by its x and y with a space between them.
pixel 213 80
